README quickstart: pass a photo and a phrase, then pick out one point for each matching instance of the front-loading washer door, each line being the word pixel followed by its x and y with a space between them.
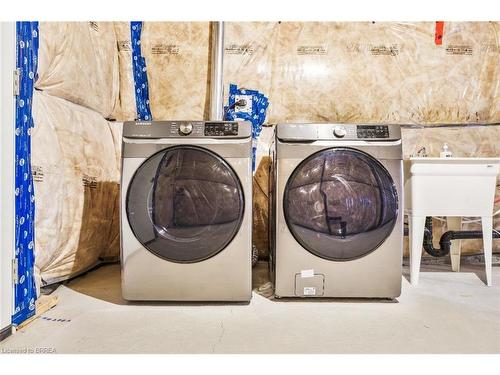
pixel 340 204
pixel 185 204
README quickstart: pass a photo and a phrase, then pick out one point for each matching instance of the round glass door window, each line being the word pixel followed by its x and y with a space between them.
pixel 185 204
pixel 340 204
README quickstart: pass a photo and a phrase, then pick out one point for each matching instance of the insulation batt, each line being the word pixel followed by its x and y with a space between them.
pixel 75 169
pixel 384 72
pixel 249 56
pixel 111 251
pixel 78 61
pixel 326 71
pixel 260 229
pixel 177 60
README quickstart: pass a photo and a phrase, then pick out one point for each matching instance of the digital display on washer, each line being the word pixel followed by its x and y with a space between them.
pixel 221 129
pixel 375 131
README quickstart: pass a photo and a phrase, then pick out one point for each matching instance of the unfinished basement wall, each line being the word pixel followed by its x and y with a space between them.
pixel 75 149
pixel 366 72
pixel 346 72
pixel 317 71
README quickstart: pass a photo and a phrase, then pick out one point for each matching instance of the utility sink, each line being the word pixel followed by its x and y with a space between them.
pixel 450 186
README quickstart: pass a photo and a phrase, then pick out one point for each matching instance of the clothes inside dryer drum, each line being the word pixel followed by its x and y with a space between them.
pixel 185 204
pixel 340 204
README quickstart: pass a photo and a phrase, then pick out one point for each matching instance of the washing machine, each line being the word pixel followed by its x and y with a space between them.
pixel 336 210
pixel 186 211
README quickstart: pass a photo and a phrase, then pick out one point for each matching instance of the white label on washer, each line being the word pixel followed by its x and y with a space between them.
pixel 306 273
pixel 309 291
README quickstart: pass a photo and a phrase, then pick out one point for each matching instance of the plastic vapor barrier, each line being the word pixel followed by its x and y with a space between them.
pixel 325 71
pixel 249 56
pixel 385 72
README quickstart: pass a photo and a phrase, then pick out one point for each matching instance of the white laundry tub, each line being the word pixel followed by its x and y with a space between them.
pixel 451 187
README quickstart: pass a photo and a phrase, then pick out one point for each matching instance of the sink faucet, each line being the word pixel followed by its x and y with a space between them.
pixel 422 152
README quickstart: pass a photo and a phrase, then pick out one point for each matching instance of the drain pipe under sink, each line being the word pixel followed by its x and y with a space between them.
pixel 447 237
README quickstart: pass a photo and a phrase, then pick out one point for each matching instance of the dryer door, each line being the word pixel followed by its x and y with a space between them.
pixel 340 204
pixel 185 204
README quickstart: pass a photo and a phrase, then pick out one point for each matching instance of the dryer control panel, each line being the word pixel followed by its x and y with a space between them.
pixel 372 131
pixel 187 129
pixel 290 132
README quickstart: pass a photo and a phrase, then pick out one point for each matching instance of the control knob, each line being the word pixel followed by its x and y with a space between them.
pixel 339 132
pixel 185 128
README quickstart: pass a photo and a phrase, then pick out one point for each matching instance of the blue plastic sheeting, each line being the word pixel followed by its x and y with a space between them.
pixel 254 112
pixel 140 74
pixel 27 61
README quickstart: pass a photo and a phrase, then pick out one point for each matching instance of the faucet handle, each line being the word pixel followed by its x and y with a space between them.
pixel 422 152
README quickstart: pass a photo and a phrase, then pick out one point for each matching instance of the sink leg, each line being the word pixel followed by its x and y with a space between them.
pixel 487 222
pixel 416 232
pixel 455 223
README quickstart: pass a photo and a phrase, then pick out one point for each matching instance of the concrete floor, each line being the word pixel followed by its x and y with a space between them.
pixel 447 313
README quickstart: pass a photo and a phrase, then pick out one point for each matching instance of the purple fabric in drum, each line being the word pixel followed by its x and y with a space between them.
pixel 338 194
pixel 192 189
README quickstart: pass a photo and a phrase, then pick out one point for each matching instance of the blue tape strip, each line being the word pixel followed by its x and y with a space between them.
pixel 27 61
pixel 140 74
pixel 257 116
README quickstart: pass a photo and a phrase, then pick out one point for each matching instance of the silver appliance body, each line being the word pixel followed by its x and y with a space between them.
pixel 336 210
pixel 186 211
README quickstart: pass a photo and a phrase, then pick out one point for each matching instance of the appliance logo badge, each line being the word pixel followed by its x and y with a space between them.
pixel 143 123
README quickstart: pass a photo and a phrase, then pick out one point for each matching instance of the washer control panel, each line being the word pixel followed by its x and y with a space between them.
pixel 187 129
pixel 372 131
pixel 221 129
